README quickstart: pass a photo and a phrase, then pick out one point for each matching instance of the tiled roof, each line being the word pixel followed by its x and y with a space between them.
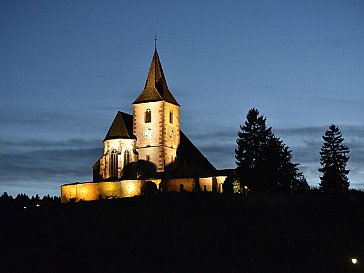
pixel 156 88
pixel 193 156
pixel 121 127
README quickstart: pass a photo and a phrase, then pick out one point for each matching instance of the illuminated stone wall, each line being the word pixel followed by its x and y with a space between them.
pixel 89 191
pixel 206 182
pixel 220 182
pixel 121 146
pixel 68 192
pixel 171 131
pixel 161 146
pixel 149 148
pixel 175 184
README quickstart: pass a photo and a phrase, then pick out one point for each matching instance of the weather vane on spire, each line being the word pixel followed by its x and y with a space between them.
pixel 155 41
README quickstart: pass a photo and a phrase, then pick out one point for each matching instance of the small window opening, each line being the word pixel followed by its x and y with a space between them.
pixel 171 117
pixel 148 116
pixel 114 163
pixel 126 157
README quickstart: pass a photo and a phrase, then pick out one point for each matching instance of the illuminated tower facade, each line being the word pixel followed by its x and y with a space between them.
pixel 156 119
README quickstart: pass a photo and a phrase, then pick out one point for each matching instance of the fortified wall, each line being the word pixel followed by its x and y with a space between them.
pixel 89 191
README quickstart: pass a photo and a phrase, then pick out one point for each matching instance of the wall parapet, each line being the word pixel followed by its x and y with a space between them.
pixel 90 191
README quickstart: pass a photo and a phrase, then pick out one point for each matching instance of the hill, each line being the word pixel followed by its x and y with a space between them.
pixel 184 232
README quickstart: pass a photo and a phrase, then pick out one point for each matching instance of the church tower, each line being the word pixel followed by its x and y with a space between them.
pixel 156 119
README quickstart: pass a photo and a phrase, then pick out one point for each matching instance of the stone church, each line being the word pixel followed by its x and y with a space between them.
pixel 147 146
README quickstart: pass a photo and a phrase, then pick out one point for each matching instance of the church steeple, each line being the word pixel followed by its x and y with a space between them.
pixel 156 88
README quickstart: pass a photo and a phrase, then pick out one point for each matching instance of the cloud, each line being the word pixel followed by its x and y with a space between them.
pixel 17 125
pixel 221 156
pixel 46 164
pixel 32 165
pixel 217 146
pixel 302 131
pixel 222 135
pixel 41 166
pixel 35 117
pixel 47 144
pixel 305 143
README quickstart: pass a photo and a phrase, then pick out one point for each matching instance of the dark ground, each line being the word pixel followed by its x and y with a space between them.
pixel 187 233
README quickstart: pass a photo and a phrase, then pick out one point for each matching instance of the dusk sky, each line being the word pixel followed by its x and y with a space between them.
pixel 67 67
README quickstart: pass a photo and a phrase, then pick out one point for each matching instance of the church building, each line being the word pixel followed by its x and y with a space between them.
pixel 147 146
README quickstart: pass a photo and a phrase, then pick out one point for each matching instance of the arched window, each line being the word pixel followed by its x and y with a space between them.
pixel 148 116
pixel 126 157
pixel 171 117
pixel 114 164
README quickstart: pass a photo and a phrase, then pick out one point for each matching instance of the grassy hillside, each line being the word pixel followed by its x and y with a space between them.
pixel 187 233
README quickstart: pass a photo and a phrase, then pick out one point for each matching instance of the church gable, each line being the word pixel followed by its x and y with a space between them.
pixel 122 127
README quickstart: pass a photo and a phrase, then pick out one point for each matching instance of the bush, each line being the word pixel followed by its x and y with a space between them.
pixel 149 188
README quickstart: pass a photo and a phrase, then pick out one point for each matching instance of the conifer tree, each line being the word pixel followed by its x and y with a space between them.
pixel 334 156
pixel 283 172
pixel 252 141
pixel 264 161
pixel 300 183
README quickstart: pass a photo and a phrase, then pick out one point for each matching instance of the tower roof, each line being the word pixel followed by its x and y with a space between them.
pixel 156 88
pixel 121 127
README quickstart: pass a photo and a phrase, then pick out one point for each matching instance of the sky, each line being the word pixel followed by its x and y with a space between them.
pixel 67 67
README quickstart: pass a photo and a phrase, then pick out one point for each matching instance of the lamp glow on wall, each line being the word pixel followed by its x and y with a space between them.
pixel 131 188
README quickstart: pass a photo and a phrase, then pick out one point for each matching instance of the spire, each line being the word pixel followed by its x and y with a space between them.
pixel 155 42
pixel 156 88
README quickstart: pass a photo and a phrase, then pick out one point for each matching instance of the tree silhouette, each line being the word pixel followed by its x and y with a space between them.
pixel 300 183
pixel 333 162
pixel 196 186
pixel 264 161
pixel 149 188
pixel 252 140
pixel 5 196
pixel 228 186
pixel 22 197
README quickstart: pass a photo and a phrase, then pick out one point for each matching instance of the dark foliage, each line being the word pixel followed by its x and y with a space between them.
pixel 23 201
pixel 149 188
pixel 228 187
pixel 264 161
pixel 334 156
pixel 5 197
pixel 141 169
pixel 252 142
pixel 300 183
pixel 196 185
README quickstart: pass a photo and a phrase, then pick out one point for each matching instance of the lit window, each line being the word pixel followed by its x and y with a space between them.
pixel 171 117
pixel 114 164
pixel 126 157
pixel 148 116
